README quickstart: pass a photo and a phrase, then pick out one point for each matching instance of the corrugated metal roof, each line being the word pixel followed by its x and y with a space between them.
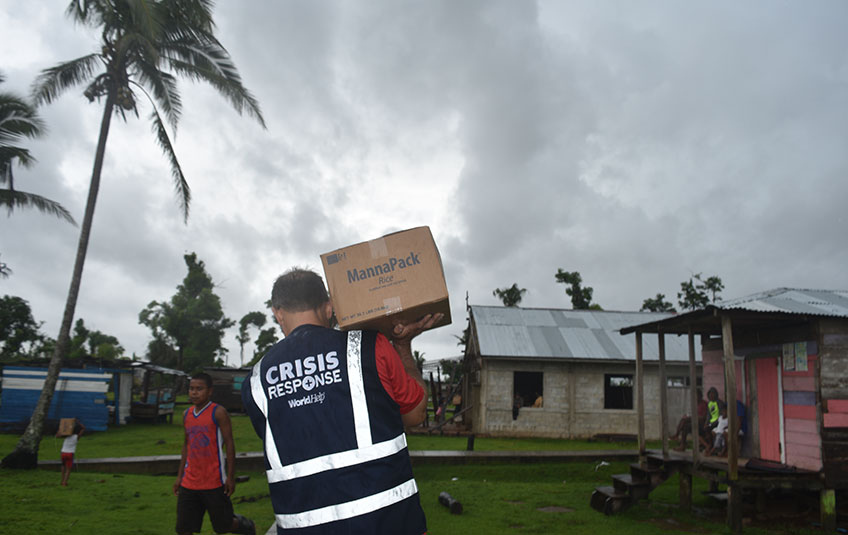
pixel 578 334
pixel 792 301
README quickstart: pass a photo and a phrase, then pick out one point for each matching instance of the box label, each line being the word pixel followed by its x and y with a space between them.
pixel 383 271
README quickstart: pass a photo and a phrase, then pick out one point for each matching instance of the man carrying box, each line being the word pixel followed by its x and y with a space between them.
pixel 331 407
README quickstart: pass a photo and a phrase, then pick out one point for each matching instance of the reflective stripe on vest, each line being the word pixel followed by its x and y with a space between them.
pixel 365 451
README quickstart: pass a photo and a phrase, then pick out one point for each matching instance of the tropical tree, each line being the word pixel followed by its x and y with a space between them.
pixel 452 369
pixel 581 297
pixel 714 286
pixel 419 360
pixel 511 296
pixel 18 121
pixel 146 45
pixel 264 341
pixel 255 318
pixel 192 322
pixel 18 328
pixel 462 341
pixel 698 292
pixel 657 304
pixel 86 343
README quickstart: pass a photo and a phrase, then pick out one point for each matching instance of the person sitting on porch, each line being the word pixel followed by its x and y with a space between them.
pixel 684 426
pixel 713 407
pixel 719 445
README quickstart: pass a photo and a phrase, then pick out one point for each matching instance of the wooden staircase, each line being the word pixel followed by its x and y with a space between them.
pixel 627 489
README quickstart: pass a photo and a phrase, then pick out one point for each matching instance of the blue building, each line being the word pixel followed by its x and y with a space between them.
pixel 80 393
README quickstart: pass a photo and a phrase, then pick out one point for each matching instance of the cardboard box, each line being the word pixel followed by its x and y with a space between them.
pixel 66 427
pixel 394 279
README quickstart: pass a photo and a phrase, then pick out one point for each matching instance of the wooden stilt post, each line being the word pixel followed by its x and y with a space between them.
pixel 734 507
pixel 730 396
pixel 663 395
pixel 734 493
pixel 693 399
pixel 686 479
pixel 640 398
pixel 827 509
pixel 685 491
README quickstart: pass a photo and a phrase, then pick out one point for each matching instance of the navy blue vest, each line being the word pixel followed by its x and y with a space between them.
pixel 335 448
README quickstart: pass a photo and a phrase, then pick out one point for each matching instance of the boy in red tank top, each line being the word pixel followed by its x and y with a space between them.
pixel 205 480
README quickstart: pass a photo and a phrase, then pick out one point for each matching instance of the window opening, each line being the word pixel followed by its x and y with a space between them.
pixel 527 388
pixel 618 391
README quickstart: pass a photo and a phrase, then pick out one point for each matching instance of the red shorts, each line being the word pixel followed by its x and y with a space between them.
pixel 67 460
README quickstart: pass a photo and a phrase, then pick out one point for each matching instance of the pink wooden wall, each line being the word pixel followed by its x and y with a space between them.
pixel 803 441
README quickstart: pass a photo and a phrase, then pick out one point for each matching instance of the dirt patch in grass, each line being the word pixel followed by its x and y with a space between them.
pixel 676 526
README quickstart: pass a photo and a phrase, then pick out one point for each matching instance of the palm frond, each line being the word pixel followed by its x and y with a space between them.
pixel 145 18
pixel 211 63
pixel 181 187
pixel 165 91
pixel 8 154
pixel 18 119
pixel 51 82
pixel 21 199
pixel 136 47
pixel 194 15
pixel 18 124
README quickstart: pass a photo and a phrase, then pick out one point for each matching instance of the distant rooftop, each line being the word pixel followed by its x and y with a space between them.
pixel 512 332
pixel 781 305
pixel 792 301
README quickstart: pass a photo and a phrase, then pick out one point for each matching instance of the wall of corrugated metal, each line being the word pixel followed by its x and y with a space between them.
pixel 79 394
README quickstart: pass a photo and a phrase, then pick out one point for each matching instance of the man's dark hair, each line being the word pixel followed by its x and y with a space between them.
pixel 205 377
pixel 298 290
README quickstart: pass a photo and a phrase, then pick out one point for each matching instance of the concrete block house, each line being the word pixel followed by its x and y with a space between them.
pixel 577 361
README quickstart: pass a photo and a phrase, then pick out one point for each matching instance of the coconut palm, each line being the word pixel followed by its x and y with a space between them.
pixel 19 120
pixel 146 45
pixel 511 296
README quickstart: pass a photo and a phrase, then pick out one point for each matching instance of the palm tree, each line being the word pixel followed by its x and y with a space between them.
pixel 255 318
pixel 511 296
pixel 19 120
pixel 146 44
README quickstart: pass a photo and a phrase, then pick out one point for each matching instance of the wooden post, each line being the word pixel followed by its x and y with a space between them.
pixel 730 396
pixel 693 399
pixel 827 509
pixel 734 507
pixel 434 397
pixel 734 493
pixel 685 484
pixel 663 395
pixel 145 386
pixel 640 397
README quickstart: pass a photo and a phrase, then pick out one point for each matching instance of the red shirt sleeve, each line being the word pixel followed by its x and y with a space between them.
pixel 402 388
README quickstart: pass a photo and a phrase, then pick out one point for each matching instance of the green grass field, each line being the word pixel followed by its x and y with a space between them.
pixel 166 439
pixel 509 498
pixel 519 499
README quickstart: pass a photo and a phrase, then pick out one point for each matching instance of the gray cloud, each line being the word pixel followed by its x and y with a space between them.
pixel 636 143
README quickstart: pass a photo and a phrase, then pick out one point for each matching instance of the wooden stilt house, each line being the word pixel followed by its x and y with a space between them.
pixel 784 355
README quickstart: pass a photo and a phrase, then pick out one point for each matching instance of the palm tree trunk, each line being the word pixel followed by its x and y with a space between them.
pixel 26 451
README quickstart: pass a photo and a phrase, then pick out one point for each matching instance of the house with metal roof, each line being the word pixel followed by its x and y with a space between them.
pixel 564 373
pixel 783 354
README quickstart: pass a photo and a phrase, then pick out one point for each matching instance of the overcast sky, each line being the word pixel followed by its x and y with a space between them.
pixel 634 142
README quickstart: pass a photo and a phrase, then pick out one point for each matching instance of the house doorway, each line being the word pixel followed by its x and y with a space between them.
pixel 768 407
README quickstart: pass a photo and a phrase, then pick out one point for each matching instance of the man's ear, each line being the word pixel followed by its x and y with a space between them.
pixel 278 315
pixel 326 312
